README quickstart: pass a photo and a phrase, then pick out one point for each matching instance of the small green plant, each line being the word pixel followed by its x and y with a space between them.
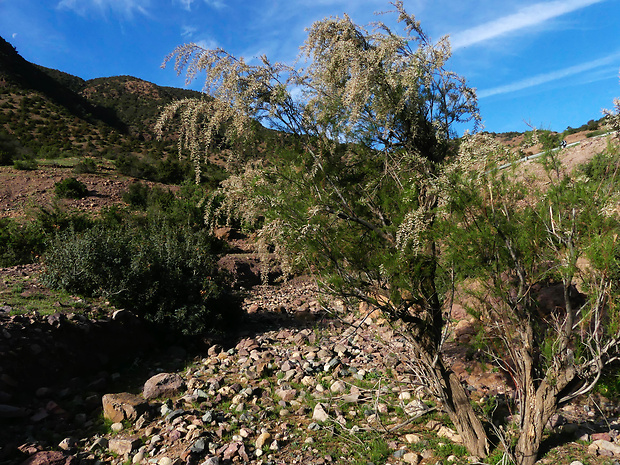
pixel 71 188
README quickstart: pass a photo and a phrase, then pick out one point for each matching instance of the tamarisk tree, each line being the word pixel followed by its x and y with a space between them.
pixel 520 242
pixel 368 118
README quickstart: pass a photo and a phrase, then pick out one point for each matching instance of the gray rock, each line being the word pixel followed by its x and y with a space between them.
pixel 319 414
pixel 199 446
pixel 211 461
pixel 67 444
pixel 100 443
pixel 208 416
pixel 174 414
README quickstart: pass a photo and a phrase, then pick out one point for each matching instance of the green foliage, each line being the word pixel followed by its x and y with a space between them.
pixel 87 165
pixel 19 243
pixel 165 273
pixel 601 167
pixel 25 164
pixel 609 385
pixel 549 139
pixel 24 242
pixel 70 188
pixel 168 171
pixel 156 201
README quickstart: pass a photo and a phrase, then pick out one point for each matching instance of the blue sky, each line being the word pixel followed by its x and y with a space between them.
pixel 552 64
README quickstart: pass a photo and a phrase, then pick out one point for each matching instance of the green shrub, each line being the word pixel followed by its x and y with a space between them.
pixel 71 188
pixel 141 196
pixel 164 273
pixel 600 167
pixel 27 164
pixel 162 203
pixel 20 243
pixel 87 165
pixel 131 165
pixel 167 171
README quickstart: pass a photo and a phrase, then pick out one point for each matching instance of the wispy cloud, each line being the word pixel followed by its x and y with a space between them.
pixel 187 4
pixel 122 7
pixel 550 77
pixel 217 4
pixel 187 32
pixel 528 16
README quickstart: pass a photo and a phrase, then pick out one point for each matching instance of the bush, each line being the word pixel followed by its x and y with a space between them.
pixel 71 188
pixel 87 165
pixel 160 203
pixel 167 171
pixel 27 164
pixel 20 243
pixel 164 273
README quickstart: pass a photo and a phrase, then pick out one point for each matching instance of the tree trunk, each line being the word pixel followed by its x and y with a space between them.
pixel 537 409
pixel 462 414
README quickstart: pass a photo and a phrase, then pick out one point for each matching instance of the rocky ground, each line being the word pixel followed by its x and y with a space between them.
pixel 304 381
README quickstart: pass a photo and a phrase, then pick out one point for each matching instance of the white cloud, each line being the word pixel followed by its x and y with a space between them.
pixel 217 4
pixel 549 77
pixel 187 32
pixel 187 4
pixel 528 16
pixel 207 44
pixel 122 7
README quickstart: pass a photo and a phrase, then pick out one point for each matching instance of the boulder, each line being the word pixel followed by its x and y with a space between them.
pixel 123 406
pixel 163 385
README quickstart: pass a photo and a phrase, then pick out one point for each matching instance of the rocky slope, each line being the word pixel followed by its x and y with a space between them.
pixel 304 381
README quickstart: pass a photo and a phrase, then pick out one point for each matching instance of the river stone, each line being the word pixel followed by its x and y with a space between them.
pixel 123 406
pixel 163 385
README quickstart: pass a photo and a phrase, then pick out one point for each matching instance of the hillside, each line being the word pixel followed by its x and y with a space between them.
pixel 45 111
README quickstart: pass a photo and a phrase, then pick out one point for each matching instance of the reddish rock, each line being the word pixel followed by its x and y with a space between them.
pixel 603 436
pixel 163 385
pixel 51 458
